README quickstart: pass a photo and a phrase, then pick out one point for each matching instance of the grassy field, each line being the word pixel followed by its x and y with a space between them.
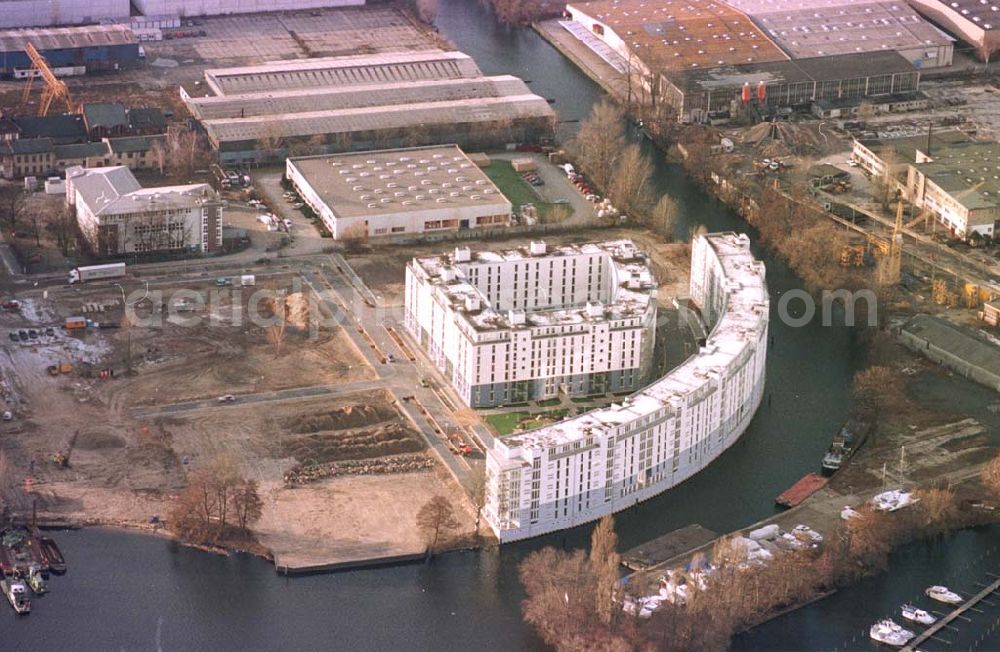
pixel 507 422
pixel 516 189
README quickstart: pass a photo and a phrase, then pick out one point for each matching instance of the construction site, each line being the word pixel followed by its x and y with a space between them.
pixel 111 418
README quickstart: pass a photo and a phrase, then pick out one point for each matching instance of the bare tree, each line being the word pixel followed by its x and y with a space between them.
pixel 436 517
pixel 600 141
pixel 477 493
pixel 665 216
pixel 630 186
pixel 990 476
pixel 247 503
pixel 160 155
pixel 560 597
pixel 427 10
pixel 12 200
pixel 354 238
pixel 186 151
pixel 62 227
pixel 559 214
pixel 938 509
pixel 604 562
pixel 874 389
pixel 213 494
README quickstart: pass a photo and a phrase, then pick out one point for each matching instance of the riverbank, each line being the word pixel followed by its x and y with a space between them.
pixel 941 467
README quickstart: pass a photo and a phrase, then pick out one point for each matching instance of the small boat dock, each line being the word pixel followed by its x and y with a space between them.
pixel 943 622
pixel 671 544
pixel 805 487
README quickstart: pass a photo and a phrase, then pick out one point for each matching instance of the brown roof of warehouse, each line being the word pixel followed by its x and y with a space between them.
pixel 681 34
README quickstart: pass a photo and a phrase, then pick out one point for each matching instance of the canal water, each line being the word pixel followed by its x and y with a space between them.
pixel 963 562
pixel 128 591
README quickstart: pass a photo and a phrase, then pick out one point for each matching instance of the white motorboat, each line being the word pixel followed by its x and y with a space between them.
pixel 912 613
pixel 888 632
pixel 943 594
pixel 17 594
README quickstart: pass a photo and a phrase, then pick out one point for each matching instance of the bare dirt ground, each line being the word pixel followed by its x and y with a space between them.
pixel 133 439
pixel 360 516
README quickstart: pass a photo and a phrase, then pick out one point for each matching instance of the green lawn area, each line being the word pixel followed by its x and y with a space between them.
pixel 550 402
pixel 516 189
pixel 506 422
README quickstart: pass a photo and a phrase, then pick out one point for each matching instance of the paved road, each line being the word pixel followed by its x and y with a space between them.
pixel 293 393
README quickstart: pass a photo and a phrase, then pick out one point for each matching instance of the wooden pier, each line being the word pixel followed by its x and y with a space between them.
pixel 943 622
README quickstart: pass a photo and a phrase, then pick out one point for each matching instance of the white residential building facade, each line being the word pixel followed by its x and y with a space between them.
pixel 531 323
pixel 609 459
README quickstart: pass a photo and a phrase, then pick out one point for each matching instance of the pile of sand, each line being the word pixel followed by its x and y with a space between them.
pixel 351 416
pixel 296 307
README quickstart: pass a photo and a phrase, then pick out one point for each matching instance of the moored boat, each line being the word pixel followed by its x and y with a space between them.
pixel 56 562
pixel 912 613
pixel 17 594
pixel 943 594
pixel 833 460
pixel 888 632
pixel 36 580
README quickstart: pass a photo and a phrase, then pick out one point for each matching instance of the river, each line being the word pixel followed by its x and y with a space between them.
pixel 129 591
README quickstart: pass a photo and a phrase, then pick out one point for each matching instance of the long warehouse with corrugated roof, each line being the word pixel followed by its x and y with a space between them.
pixel 314 106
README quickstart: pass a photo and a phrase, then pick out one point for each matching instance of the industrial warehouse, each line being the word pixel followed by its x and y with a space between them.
pixel 396 192
pixel 224 7
pixel 768 88
pixel 43 13
pixel 817 28
pixel 69 50
pixel 609 459
pixel 818 56
pixel 532 323
pixel 974 21
pixel 364 102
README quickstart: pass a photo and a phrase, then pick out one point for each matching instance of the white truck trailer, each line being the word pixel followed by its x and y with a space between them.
pixel 96 272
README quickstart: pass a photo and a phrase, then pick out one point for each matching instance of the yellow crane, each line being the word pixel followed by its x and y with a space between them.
pixel 55 88
pixel 890 269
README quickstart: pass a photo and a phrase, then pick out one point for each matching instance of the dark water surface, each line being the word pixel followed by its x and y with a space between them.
pixel 132 592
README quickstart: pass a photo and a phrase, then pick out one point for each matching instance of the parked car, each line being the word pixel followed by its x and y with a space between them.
pixel 222 281
pixel 51 332
pixel 13 337
pixel 227 398
pixel 33 334
pixel 13 304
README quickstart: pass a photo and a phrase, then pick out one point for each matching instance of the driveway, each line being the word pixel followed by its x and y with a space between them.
pixel 557 188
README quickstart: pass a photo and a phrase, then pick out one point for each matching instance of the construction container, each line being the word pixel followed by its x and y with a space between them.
pixel 75 323
pixel 524 165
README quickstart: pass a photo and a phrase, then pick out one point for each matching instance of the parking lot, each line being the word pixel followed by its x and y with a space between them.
pixel 253 38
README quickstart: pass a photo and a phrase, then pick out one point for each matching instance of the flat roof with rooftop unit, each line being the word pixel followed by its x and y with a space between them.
pixel 410 190
pixel 818 28
pixel 606 460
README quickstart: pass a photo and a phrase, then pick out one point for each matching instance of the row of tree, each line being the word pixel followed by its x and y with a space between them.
pixel 622 170
pixel 217 505
pixel 574 599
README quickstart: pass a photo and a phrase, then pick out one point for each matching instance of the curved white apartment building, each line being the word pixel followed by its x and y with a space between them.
pixel 609 459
